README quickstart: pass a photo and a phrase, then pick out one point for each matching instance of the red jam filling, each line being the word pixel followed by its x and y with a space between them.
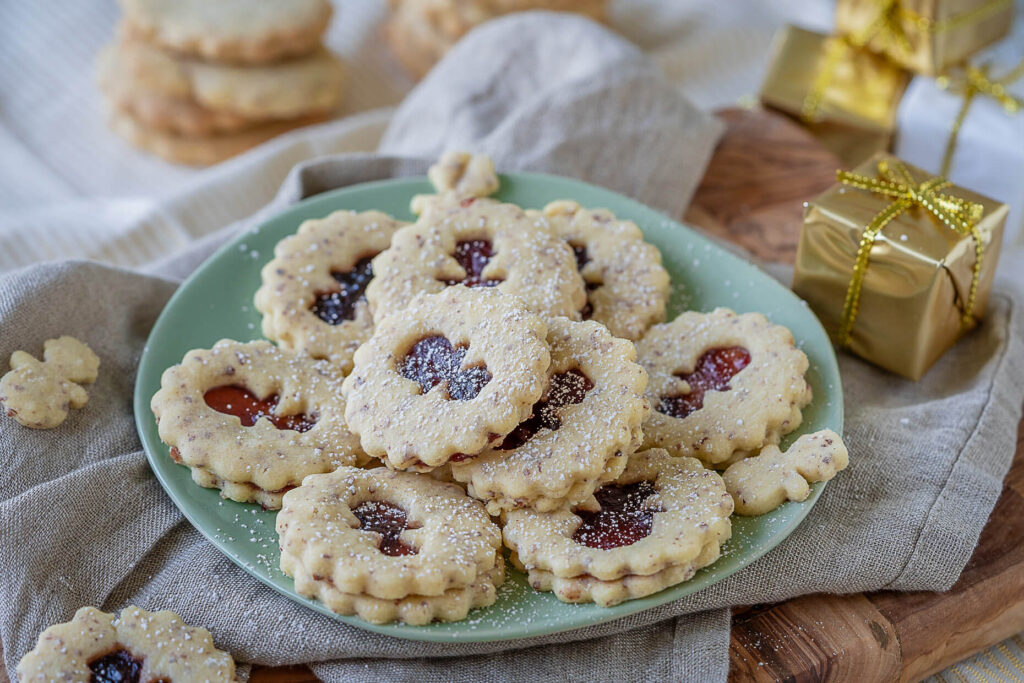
pixel 335 308
pixel 621 521
pixel 582 259
pixel 433 360
pixel 566 388
pixel 387 520
pixel 473 256
pixel 120 666
pixel 714 370
pixel 243 404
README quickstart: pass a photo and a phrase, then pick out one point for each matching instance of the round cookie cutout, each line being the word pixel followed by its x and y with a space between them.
pixel 455 371
pixel 253 420
pixel 580 432
pixel 722 385
pixel 312 297
pixel 385 534
pixel 481 244
pixel 661 512
pixel 136 645
pixel 627 287
pixel 248 31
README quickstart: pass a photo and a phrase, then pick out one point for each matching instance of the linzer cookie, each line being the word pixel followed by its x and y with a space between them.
pixel 580 432
pixel 722 385
pixel 96 647
pixel 390 546
pixel 251 31
pixel 253 420
pixel 654 526
pixel 764 482
pixel 454 372
pixel 479 243
pixel 172 94
pixel 627 287
pixel 312 298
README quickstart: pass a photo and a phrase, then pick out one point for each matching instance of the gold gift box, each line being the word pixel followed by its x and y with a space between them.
pixel 846 97
pixel 925 36
pixel 919 272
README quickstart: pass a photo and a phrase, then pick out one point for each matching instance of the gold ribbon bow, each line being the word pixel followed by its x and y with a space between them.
pixel 892 20
pixel 976 81
pixel 894 181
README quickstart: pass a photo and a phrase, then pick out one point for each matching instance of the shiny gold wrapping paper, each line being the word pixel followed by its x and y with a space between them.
pixel 918 275
pixel 925 36
pixel 855 94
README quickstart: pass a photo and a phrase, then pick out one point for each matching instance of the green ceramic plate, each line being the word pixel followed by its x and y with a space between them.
pixel 216 302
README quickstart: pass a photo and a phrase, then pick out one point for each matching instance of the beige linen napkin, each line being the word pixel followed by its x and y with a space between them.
pixel 83 521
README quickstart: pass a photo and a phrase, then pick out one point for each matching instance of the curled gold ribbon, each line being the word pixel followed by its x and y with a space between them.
pixel 895 182
pixel 976 81
pixel 892 20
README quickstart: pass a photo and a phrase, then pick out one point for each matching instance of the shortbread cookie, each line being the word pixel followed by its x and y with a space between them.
pixel 722 385
pixel 38 394
pixel 578 589
pixel 253 419
pixel 764 482
pixel 581 430
pixel 200 151
pixel 464 174
pixel 312 298
pixel 250 31
pixel 661 512
pixel 627 287
pixel 200 98
pixel 387 535
pixel 454 372
pixel 96 647
pixel 479 243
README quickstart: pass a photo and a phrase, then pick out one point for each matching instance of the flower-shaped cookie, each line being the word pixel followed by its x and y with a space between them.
pixel 363 541
pixel 312 298
pixel 581 429
pixel 135 646
pixel 627 287
pixel 479 243
pixel 38 394
pixel 456 371
pixel 253 420
pixel 662 518
pixel 764 482
pixel 722 385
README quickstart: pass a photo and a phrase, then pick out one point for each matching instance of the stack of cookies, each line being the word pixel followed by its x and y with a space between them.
pixel 196 82
pixel 491 376
pixel 420 32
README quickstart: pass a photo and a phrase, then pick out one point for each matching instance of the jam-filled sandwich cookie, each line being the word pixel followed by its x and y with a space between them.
pixel 455 372
pixel 479 243
pixel 134 647
pixel 764 482
pixel 243 31
pixel 313 293
pixel 390 546
pixel 580 432
pixel 659 522
pixel 722 385
pixel 253 420
pixel 627 287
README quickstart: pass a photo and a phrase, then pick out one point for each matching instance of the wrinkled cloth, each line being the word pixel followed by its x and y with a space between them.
pixel 84 521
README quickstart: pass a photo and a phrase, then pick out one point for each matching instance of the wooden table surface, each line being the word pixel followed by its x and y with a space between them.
pixel 752 194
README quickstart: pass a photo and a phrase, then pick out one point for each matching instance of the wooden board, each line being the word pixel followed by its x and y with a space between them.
pixel 752 194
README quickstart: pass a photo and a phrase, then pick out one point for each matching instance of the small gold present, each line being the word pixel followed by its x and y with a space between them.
pixel 925 36
pixel 898 264
pixel 846 97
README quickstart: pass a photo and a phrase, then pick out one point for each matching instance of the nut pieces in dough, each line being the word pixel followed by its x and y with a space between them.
pixel 38 394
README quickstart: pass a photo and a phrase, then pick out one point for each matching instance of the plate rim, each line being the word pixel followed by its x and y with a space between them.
pixel 144 421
